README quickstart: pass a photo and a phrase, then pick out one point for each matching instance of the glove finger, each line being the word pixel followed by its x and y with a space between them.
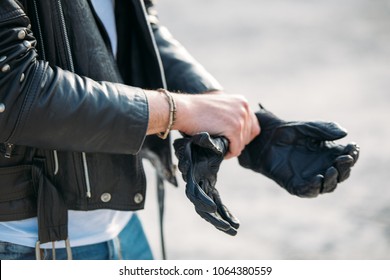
pixel 219 223
pixel 343 165
pixel 224 212
pixel 308 188
pixel 193 191
pixel 321 130
pixel 180 146
pixel 199 198
pixel 353 150
pixel 228 216
pixel 330 180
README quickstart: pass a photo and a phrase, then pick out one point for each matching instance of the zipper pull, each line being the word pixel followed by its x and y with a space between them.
pixel 8 150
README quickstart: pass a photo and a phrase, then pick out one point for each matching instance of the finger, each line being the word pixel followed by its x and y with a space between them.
pixel 330 180
pixel 247 131
pixel 243 133
pixel 229 155
pixel 219 223
pixel 255 127
pixel 343 165
pixel 234 148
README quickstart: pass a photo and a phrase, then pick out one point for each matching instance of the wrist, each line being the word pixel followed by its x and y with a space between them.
pixel 184 116
pixel 158 112
pixel 160 115
pixel 172 113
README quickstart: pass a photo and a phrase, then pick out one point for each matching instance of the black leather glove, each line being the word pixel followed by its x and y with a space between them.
pixel 199 159
pixel 300 156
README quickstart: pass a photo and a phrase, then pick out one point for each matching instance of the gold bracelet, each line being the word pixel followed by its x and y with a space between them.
pixel 172 113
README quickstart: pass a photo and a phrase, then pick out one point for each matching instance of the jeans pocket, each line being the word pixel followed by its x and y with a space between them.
pixel 11 251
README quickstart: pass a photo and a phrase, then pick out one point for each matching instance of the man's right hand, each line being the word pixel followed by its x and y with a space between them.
pixel 217 113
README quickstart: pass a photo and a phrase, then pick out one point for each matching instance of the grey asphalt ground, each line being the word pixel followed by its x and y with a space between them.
pixel 303 60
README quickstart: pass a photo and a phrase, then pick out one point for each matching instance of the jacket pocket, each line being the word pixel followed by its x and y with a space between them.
pixel 16 155
pixel 17 194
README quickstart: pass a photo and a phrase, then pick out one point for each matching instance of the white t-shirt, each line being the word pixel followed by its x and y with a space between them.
pixel 84 227
pixel 105 11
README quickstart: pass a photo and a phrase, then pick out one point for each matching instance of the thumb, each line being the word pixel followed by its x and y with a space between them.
pixel 322 131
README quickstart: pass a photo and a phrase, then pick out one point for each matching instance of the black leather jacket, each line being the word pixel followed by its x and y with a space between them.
pixel 68 141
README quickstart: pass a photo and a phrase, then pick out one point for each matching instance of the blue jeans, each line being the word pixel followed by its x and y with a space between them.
pixel 130 244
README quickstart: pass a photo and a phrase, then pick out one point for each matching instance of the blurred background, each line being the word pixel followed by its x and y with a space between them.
pixel 303 60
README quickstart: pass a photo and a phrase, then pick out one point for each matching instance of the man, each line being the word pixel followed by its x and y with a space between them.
pixel 78 104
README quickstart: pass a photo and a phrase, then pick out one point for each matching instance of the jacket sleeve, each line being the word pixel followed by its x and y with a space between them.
pixel 182 72
pixel 48 107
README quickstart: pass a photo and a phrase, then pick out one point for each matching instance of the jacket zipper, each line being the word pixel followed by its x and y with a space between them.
pixel 8 150
pixel 71 68
pixel 66 39
pixel 9 146
pixel 43 53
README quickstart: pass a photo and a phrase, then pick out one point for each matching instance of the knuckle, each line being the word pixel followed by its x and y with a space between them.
pixel 243 102
pixel 240 126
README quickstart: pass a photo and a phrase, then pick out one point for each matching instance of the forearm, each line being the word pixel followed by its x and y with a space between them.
pixel 64 111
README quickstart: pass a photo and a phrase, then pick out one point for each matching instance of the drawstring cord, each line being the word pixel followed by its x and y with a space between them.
pixel 39 251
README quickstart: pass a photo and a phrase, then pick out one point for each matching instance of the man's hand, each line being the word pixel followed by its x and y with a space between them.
pixel 300 156
pixel 218 114
pixel 199 159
